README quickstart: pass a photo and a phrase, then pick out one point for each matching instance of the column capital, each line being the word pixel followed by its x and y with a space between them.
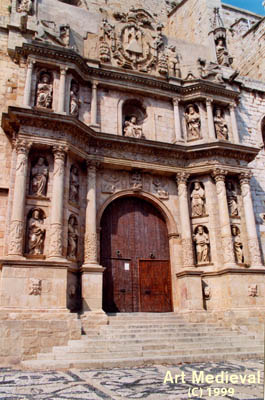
pixel 92 164
pixel 209 101
pixel 63 69
pixel 94 84
pixel 60 151
pixel 182 177
pixel 245 177
pixel 22 146
pixel 219 174
pixel 31 63
pixel 232 105
pixel 176 100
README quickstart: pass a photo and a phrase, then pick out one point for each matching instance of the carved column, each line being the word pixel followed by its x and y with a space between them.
pixel 186 236
pixel 16 233
pixel 253 244
pixel 27 90
pixel 94 99
pixel 234 123
pixel 90 256
pixel 177 136
pixel 56 227
pixel 211 129
pixel 61 108
pixel 226 235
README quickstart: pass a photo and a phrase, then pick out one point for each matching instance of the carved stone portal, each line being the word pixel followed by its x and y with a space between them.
pixel 39 177
pixel 202 244
pixel 197 200
pixel 36 232
pixel 35 287
pixel 193 122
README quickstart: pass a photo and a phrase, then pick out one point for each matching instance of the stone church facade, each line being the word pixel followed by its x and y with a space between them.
pixel 132 159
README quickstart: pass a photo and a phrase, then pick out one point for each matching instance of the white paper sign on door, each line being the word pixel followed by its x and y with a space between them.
pixel 126 266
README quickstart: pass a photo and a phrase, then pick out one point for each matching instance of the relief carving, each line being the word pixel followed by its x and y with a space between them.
pixel 193 122
pixel 90 247
pixel 56 240
pixel 35 287
pixel 232 199
pixel 228 250
pixel 160 188
pixel 254 252
pixel 206 290
pixel 253 290
pixel 36 232
pixel 25 6
pixel 238 245
pixel 51 32
pixel 187 251
pixel 44 90
pixel 209 71
pixel 110 182
pixel 74 99
pixel 72 237
pixel 39 177
pixel 202 244
pixel 221 128
pixel 15 237
pixel 197 200
pixel 136 181
pixel 74 185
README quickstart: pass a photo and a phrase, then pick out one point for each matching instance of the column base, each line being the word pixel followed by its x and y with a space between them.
pixel 92 282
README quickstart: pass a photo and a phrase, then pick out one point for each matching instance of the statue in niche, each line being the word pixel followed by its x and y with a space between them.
pixel 222 54
pixel 131 129
pixel 238 246
pixel 74 185
pixel 36 233
pixel 197 200
pixel 44 91
pixel 74 99
pixel 232 199
pixel 193 122
pixel 72 237
pixel 39 176
pixel 220 125
pixel 202 244
pixel 25 6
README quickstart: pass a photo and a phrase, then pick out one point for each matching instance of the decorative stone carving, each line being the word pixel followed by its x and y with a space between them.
pixel 131 128
pixel 16 238
pixel 187 251
pixel 135 42
pixel 173 62
pixel 197 200
pixel 35 287
pixel 91 246
pixel 25 6
pixel 36 232
pixel 202 244
pixel 193 122
pixel 232 199
pixel 136 181
pixel 253 290
pixel 51 32
pixel 72 237
pixel 39 177
pixel 222 54
pixel 56 240
pixel 221 128
pixel 206 290
pixel 44 90
pixel 160 188
pixel 219 32
pixel 238 245
pixel 110 181
pixel 210 71
pixel 74 185
pixel 74 99
pixel 72 291
pixel 163 64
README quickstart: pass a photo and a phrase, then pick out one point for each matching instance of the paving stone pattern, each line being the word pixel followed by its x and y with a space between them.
pixel 132 383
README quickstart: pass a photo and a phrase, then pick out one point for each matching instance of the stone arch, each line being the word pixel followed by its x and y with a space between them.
pixel 166 213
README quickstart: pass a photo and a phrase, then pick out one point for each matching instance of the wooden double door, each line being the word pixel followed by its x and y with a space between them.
pixel 135 252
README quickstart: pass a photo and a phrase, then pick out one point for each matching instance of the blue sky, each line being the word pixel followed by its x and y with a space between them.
pixel 251 5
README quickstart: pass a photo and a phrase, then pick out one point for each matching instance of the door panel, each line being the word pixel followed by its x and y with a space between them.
pixel 132 229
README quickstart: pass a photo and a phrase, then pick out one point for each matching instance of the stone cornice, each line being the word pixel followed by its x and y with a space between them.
pixel 70 131
pixel 111 76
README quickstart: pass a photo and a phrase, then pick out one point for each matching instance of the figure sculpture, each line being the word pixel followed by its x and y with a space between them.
pixel 238 246
pixel 197 200
pixel 74 185
pixel 231 199
pixel 220 125
pixel 131 128
pixel 74 100
pixel 39 176
pixel 193 122
pixel 202 244
pixel 44 91
pixel 222 54
pixel 25 6
pixel 36 233
pixel 72 237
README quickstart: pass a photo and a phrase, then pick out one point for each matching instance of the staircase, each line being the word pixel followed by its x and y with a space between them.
pixel 147 338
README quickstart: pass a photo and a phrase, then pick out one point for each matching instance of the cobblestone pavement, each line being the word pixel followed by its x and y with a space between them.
pixel 136 383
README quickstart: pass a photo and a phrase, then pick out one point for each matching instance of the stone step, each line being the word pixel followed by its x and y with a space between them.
pixel 159 329
pixel 140 361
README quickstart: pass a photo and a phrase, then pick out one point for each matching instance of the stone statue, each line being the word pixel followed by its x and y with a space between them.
pixel 39 176
pixel 193 122
pixel 197 200
pixel 74 185
pixel 231 199
pixel 72 237
pixel 220 125
pixel 131 128
pixel 173 62
pixel 36 233
pixel 202 243
pixel 222 54
pixel 74 100
pixel 25 6
pixel 51 32
pixel 238 246
pixel 44 91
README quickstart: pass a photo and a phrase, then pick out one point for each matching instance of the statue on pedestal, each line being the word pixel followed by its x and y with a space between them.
pixel 197 200
pixel 39 176
pixel 202 245
pixel 44 91
pixel 193 122
pixel 36 233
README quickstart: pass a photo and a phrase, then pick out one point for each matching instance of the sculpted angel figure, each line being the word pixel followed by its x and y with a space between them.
pixel 220 125
pixel 197 200
pixel 202 244
pixel 44 91
pixel 193 122
pixel 39 175
pixel 131 128
pixel 36 233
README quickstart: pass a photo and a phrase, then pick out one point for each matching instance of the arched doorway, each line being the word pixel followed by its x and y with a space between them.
pixel 135 252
